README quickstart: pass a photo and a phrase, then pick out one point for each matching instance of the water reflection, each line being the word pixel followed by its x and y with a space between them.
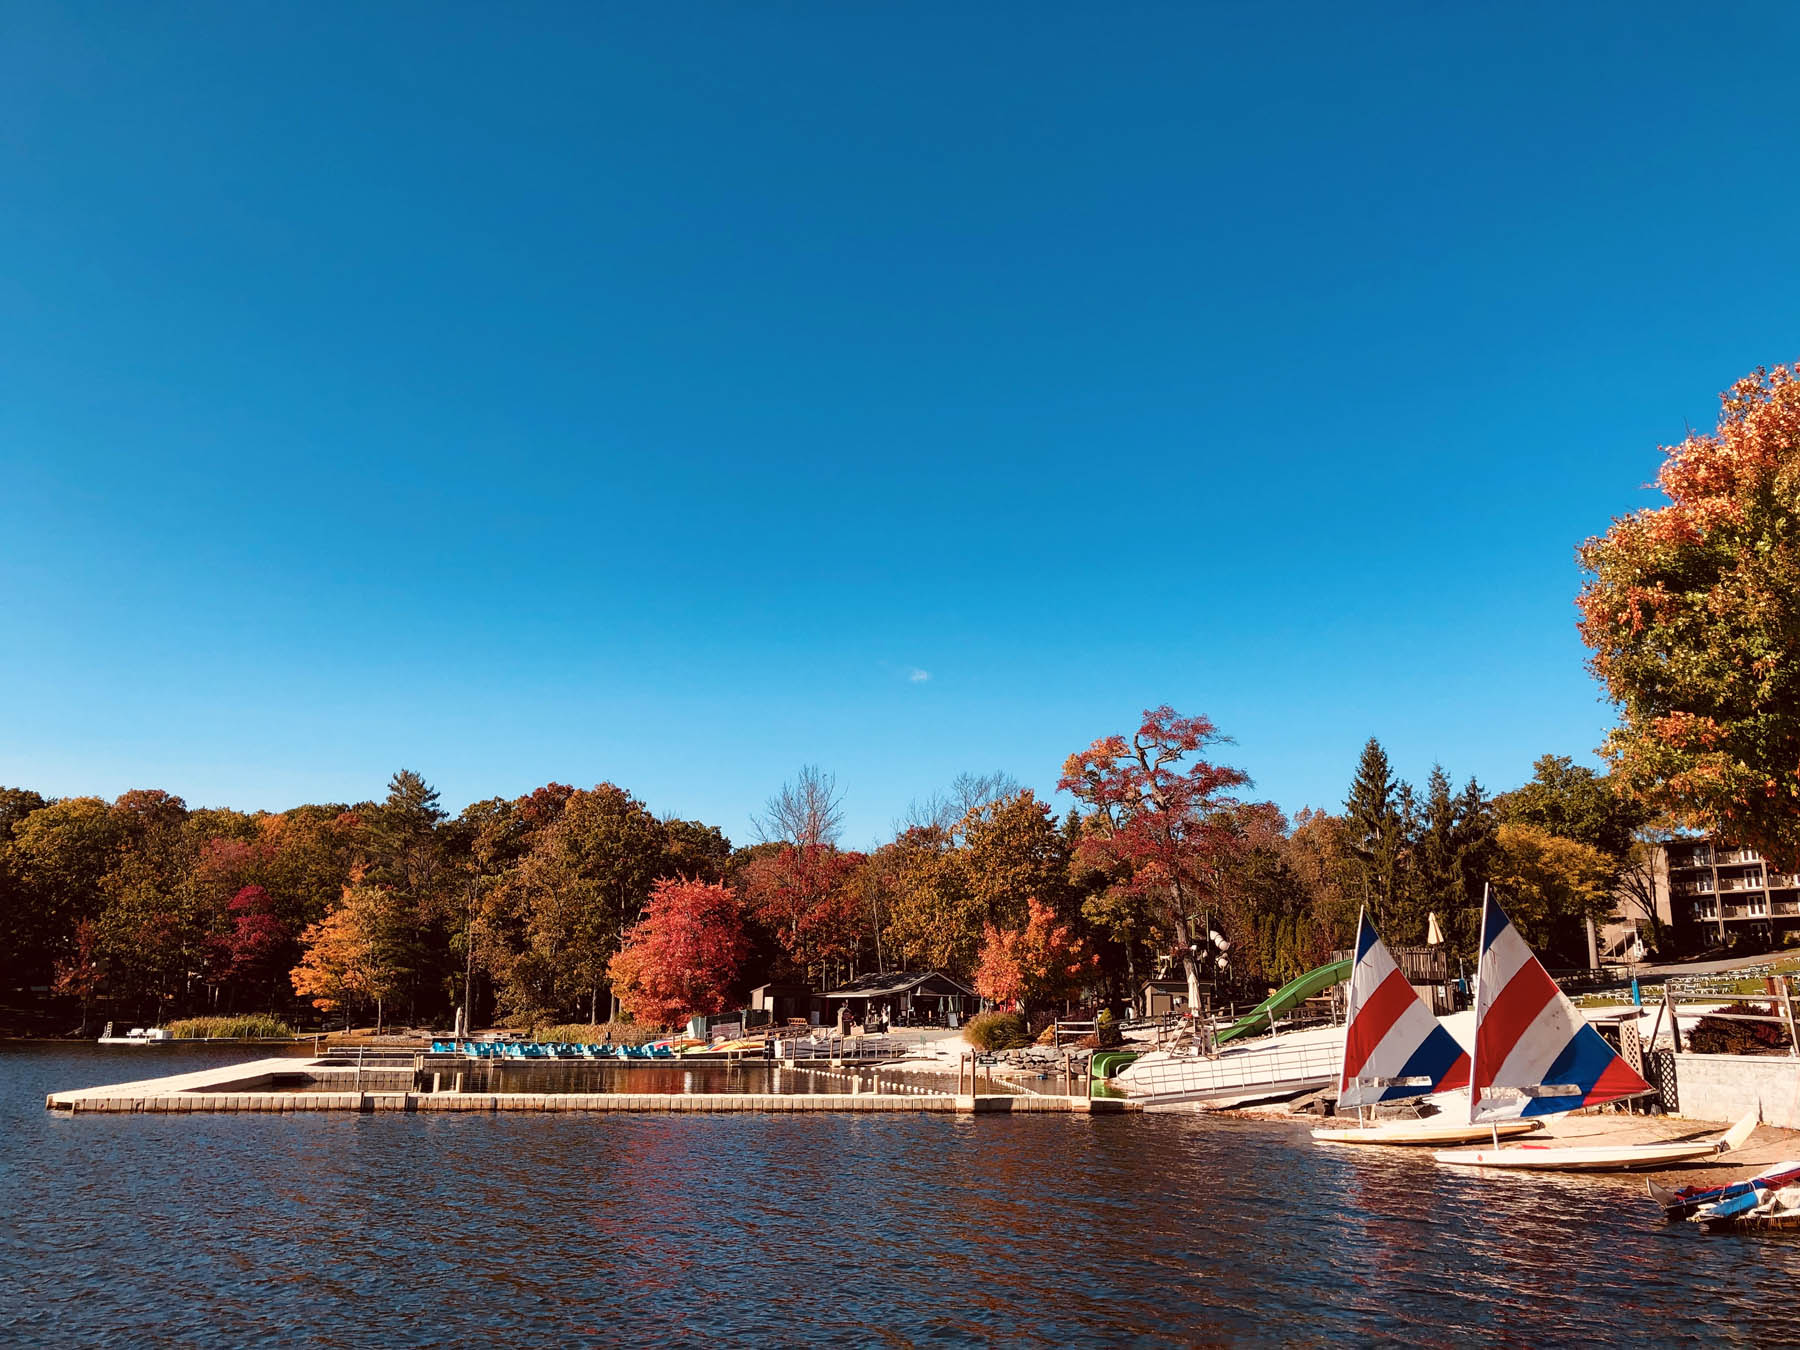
pixel 405 1230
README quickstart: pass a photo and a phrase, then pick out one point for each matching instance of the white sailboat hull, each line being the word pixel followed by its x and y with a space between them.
pixel 1423 1133
pixel 1589 1158
pixel 1604 1157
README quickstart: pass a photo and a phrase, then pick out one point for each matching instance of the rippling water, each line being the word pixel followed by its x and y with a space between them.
pixel 884 1229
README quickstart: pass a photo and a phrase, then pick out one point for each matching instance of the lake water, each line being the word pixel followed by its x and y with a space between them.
pixel 397 1229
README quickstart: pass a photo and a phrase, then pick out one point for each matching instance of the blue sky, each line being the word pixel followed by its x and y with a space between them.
pixel 654 393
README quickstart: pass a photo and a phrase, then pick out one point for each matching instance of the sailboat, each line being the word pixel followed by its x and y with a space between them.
pixel 1536 1055
pixel 1394 1049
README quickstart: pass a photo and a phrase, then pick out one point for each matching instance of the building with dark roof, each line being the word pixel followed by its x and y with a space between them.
pixel 908 996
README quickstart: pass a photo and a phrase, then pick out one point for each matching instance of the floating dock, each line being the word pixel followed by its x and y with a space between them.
pixel 284 1086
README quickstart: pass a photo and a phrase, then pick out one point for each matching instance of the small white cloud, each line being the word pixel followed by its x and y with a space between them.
pixel 918 676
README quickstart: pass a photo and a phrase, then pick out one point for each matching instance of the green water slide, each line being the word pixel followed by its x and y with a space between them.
pixel 1285 999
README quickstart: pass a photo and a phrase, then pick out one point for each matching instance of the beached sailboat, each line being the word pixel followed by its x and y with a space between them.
pixel 1395 1050
pixel 1536 1055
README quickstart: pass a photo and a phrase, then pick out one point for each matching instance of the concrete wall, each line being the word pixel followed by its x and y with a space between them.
pixel 1723 1087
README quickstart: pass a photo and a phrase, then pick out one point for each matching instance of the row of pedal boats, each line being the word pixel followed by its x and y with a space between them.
pixel 1534 1056
pixel 538 1050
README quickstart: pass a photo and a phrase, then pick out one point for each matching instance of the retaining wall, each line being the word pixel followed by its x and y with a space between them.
pixel 1724 1087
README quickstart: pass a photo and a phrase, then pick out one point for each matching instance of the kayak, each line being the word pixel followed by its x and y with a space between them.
pixel 1687 1201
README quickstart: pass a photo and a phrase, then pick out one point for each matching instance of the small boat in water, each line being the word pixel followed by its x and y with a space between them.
pixel 137 1036
pixel 1775 1209
pixel 1536 1055
pixel 1689 1200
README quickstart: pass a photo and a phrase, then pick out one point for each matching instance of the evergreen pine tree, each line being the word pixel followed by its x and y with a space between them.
pixel 1378 811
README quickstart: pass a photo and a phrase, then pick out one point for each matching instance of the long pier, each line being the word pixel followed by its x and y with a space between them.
pixel 280 1086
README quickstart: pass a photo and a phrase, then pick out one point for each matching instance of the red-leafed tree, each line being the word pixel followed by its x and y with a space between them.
pixel 683 958
pixel 1164 814
pixel 82 974
pixel 1042 962
pixel 803 895
pixel 253 941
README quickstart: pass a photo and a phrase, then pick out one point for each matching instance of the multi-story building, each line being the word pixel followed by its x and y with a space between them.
pixel 1704 885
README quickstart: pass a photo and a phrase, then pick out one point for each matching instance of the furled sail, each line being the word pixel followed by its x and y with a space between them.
pixel 1393 1046
pixel 1535 1054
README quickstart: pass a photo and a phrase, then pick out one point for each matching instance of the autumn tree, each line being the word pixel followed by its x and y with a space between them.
pixel 684 958
pixel 356 954
pixel 82 973
pixel 569 900
pixel 1692 612
pixel 1551 887
pixel 1044 960
pixel 251 942
pixel 805 897
pixel 694 850
pixel 1013 851
pixel 57 860
pixel 1572 801
pixel 928 904
pixel 1266 910
pixel 1165 815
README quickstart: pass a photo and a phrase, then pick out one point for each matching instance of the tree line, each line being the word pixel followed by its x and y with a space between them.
pixel 570 904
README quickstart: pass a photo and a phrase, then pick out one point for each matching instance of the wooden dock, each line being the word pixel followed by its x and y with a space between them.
pixel 280 1086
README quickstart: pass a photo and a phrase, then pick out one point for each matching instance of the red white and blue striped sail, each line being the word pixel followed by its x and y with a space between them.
pixel 1535 1054
pixel 1393 1046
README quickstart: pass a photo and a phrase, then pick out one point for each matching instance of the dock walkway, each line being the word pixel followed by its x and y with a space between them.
pixel 253 1087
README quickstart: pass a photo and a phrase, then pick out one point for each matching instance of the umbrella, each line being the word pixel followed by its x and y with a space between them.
pixel 1434 936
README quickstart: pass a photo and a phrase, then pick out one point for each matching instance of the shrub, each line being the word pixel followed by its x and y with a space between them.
pixel 997 1031
pixel 592 1033
pixel 243 1027
pixel 1106 1031
pixel 1716 1036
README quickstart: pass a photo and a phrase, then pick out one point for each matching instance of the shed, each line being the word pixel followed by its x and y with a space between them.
pixel 1163 997
pixel 786 1002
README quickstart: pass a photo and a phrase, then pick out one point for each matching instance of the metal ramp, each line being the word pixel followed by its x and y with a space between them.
pixel 1272 1072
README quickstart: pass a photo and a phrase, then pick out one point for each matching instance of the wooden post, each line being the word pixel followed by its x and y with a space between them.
pixel 1787 1011
pixel 1674 1022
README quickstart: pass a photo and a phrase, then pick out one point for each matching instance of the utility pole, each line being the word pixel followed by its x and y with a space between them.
pixel 468 1014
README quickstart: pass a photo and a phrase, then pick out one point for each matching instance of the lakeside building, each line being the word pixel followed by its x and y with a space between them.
pixel 1712 891
pixel 909 997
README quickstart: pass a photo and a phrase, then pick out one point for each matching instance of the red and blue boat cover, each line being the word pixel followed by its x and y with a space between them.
pixel 1535 1054
pixel 1393 1046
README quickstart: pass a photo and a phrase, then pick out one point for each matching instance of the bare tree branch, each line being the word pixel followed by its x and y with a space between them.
pixel 967 792
pixel 807 811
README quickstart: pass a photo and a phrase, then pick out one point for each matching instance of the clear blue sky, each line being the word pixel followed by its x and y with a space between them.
pixel 656 392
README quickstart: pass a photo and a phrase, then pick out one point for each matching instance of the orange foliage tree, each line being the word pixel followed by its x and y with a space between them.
pixel 1693 614
pixel 352 955
pixel 684 956
pixel 1042 962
